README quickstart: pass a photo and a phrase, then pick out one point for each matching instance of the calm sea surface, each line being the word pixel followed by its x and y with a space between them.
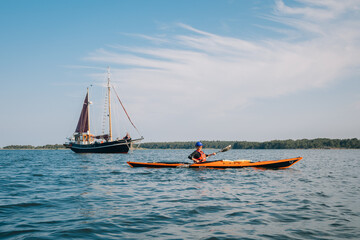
pixel 57 194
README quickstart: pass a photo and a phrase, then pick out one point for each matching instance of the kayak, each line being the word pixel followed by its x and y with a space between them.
pixel 272 164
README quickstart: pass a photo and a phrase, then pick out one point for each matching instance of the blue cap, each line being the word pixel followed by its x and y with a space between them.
pixel 198 144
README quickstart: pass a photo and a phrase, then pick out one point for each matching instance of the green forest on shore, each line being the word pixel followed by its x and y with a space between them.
pixel 30 147
pixel 318 143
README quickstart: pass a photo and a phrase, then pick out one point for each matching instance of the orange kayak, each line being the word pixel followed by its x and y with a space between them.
pixel 272 164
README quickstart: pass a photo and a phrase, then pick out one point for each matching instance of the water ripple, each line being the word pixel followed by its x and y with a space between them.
pixel 62 195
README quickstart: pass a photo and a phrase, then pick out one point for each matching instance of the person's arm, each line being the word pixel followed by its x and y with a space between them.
pixel 211 154
pixel 194 156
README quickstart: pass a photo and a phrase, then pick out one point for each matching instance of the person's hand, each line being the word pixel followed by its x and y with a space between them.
pixel 214 154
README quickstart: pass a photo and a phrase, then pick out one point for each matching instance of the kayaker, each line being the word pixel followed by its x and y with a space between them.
pixel 127 136
pixel 198 156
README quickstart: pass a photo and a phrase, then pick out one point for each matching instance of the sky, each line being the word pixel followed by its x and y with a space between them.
pixel 185 70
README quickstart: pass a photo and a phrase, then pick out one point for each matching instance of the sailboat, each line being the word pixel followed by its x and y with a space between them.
pixel 83 141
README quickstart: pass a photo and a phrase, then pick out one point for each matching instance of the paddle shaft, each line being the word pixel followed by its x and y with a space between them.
pixel 223 150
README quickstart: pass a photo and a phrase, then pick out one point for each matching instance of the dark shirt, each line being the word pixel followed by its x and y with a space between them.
pixel 195 155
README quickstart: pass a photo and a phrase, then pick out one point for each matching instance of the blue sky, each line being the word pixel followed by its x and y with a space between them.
pixel 186 70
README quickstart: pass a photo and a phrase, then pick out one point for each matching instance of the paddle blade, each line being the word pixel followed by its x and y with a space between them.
pixel 226 149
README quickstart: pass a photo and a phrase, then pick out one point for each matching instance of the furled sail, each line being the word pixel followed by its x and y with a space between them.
pixel 83 124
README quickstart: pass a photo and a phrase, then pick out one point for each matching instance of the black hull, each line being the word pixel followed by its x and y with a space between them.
pixel 120 146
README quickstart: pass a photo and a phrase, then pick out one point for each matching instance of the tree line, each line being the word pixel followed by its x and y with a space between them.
pixel 48 146
pixel 323 143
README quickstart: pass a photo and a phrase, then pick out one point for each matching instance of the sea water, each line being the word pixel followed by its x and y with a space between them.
pixel 57 194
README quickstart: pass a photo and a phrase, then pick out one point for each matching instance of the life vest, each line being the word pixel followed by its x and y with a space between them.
pixel 202 156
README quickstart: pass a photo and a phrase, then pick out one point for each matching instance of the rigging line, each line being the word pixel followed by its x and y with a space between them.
pixel 125 111
pixel 105 115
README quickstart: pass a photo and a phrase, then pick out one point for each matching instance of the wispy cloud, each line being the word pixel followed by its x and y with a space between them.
pixel 322 10
pixel 155 39
pixel 227 72
pixel 83 67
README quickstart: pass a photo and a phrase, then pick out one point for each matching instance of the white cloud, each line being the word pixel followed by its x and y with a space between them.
pixel 226 73
pixel 320 10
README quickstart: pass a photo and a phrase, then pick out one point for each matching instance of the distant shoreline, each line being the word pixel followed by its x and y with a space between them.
pixel 30 147
pixel 141 149
pixel 318 143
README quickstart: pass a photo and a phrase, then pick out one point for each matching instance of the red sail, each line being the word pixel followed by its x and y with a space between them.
pixel 83 124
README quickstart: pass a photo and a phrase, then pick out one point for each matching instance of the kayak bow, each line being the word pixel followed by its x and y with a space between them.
pixel 272 164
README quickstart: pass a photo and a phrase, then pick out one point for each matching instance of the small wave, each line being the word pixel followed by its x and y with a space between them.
pixel 38 175
pixel 21 205
pixel 80 233
pixel 257 221
pixel 237 214
pixel 310 233
pixel 17 233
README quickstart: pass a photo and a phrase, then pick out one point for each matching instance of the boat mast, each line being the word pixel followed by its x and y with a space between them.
pixel 88 112
pixel 108 85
